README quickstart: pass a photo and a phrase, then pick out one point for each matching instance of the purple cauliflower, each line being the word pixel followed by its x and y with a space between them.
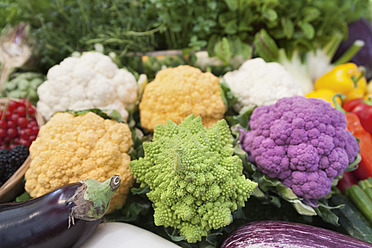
pixel 301 141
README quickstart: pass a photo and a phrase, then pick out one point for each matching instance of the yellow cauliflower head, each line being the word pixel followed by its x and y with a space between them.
pixel 69 149
pixel 178 92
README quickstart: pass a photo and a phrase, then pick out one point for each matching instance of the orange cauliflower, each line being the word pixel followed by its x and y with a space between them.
pixel 72 148
pixel 178 92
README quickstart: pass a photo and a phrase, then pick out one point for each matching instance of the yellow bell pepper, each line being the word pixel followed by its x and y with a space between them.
pixel 325 94
pixel 347 79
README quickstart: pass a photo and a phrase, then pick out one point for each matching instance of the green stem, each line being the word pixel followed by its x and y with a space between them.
pixel 356 79
pixel 349 54
pixel 336 103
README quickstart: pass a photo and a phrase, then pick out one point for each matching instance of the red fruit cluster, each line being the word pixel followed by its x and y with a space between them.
pixel 18 125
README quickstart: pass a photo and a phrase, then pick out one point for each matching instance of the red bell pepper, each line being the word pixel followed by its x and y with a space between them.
pixel 363 109
pixel 348 179
pixel 354 125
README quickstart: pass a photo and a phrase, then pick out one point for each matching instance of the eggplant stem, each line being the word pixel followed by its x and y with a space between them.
pixel 71 219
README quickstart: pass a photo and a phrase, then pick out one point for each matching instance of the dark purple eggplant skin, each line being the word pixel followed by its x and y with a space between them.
pixel 360 29
pixel 288 234
pixel 44 222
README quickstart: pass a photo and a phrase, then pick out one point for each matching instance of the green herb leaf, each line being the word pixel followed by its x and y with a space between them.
pixel 232 4
pixel 231 27
pixel 308 29
pixel 310 14
pixel 222 50
pixel 270 14
pixel 288 27
pixel 265 46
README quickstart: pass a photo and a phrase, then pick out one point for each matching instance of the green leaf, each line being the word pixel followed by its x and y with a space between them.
pixel 308 29
pixel 140 191
pixel 232 4
pixel 270 14
pixel 325 212
pixel 310 14
pixel 113 115
pixel 239 48
pixel 174 234
pixel 222 50
pixel 242 119
pixel 265 46
pixel 227 96
pixel 211 44
pixel 288 27
pixel 23 197
pixel 303 208
pixel 231 27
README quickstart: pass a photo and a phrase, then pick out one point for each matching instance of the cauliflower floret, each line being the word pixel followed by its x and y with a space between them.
pixel 178 92
pixel 259 83
pixel 195 180
pixel 69 149
pixel 301 141
pixel 93 80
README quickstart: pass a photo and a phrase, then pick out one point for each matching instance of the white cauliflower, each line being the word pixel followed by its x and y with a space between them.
pixel 257 83
pixel 90 81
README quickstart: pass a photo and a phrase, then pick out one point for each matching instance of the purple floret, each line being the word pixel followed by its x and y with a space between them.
pixel 301 141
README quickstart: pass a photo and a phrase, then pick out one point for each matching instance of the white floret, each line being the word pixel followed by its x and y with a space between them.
pixel 82 73
pixel 259 83
pixel 81 105
pixel 100 90
pixel 100 63
pixel 126 87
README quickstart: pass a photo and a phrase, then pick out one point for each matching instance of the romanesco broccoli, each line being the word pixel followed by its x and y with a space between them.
pixel 195 180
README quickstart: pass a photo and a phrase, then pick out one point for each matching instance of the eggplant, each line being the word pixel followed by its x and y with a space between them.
pixel 288 234
pixel 65 217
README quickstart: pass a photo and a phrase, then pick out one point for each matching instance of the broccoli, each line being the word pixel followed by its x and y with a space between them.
pixel 195 180
pixel 301 141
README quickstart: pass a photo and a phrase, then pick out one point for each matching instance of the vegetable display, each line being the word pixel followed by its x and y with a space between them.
pixel 70 148
pixel 178 92
pixel 301 141
pixel 214 114
pixel 259 83
pixel 92 80
pixel 65 217
pixel 287 234
pixel 195 181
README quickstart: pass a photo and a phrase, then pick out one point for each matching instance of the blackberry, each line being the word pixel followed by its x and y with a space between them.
pixel 18 155
pixel 11 160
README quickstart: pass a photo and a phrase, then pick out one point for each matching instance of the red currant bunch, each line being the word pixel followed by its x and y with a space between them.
pixel 18 125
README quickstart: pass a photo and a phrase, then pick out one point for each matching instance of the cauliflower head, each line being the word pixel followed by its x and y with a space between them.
pixel 257 83
pixel 301 141
pixel 195 180
pixel 175 93
pixel 69 149
pixel 90 81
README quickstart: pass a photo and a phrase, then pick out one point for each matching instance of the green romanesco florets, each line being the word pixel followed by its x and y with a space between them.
pixel 195 180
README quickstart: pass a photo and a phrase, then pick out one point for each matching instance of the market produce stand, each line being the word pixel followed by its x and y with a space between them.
pixel 186 123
